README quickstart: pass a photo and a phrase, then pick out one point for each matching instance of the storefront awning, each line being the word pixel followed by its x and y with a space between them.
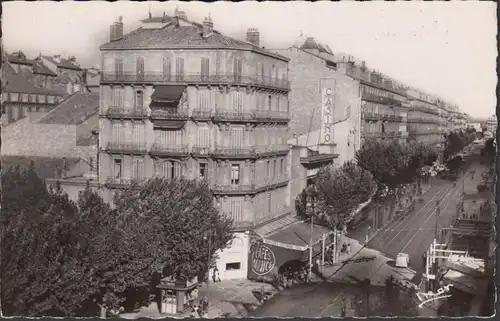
pixel 167 94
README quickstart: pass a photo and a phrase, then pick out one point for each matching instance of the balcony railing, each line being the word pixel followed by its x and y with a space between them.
pixel 380 100
pixel 118 182
pixel 201 114
pixel 234 152
pixel 201 151
pixel 233 189
pixel 272 149
pixel 196 78
pixel 160 150
pixel 371 115
pixel 232 115
pixel 272 115
pixel 162 114
pixel 274 182
pixel 127 148
pixel 126 112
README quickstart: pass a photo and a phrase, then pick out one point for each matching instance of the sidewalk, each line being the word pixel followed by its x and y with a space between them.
pixel 229 298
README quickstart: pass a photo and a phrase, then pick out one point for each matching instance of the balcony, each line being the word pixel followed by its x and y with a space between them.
pixel 127 148
pixel 380 100
pixel 272 150
pixel 234 152
pixel 272 183
pixel 112 182
pixel 201 151
pixel 371 116
pixel 228 115
pixel 272 116
pixel 166 151
pixel 196 79
pixel 127 113
pixel 163 114
pixel 229 189
pixel 201 115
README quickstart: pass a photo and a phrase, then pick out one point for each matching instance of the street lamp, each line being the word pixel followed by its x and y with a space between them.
pixel 311 196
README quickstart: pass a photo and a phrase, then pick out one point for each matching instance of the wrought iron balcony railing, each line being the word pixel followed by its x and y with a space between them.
pixel 201 114
pixel 234 152
pixel 161 150
pixel 273 182
pixel 271 149
pixel 201 151
pixel 195 78
pixel 232 115
pixel 263 115
pixel 126 112
pixel 233 189
pixel 162 114
pixel 127 148
pixel 118 182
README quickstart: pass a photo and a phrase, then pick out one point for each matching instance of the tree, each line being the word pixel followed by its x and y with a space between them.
pixel 338 193
pixel 184 212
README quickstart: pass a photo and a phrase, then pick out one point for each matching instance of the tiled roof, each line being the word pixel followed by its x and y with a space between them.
pixel 310 43
pixel 18 60
pixel 64 63
pixel 93 81
pixel 40 68
pixel 73 110
pixel 17 83
pixel 45 167
pixel 171 37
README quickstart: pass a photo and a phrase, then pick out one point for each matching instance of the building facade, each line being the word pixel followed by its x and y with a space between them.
pixel 70 77
pixel 425 118
pixel 178 99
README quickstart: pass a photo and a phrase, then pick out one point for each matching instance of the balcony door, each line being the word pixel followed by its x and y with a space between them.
pixel 236 210
pixel 237 138
pixel 118 69
pixel 138 169
pixel 237 69
pixel 237 102
pixel 167 69
pixel 205 69
pixel 179 69
pixel 139 100
pixel 140 68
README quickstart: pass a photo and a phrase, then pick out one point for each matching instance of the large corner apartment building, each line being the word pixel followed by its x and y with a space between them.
pixel 180 99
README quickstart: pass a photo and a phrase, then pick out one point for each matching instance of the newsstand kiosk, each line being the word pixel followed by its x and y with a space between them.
pixel 177 295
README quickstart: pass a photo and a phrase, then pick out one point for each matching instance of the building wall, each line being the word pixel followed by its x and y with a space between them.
pixel 305 74
pixel 298 174
pixel 84 130
pixel 220 62
pixel 237 252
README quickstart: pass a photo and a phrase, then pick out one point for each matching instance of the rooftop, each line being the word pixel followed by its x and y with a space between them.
pixel 63 63
pixel 184 36
pixel 17 83
pixel 73 110
pixel 45 167
pixel 40 68
pixel 19 59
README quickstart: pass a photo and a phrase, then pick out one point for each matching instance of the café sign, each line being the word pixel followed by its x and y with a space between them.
pixel 327 119
pixel 262 259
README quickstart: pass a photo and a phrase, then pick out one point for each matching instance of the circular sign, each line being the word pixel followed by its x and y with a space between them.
pixel 262 260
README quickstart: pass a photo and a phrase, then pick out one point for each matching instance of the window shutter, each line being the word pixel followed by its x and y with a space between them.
pixel 167 68
pixel 179 68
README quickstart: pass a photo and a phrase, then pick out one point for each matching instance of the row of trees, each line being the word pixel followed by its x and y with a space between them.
pixel 381 166
pixel 456 141
pixel 61 258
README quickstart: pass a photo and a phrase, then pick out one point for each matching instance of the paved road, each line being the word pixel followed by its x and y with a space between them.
pixel 414 233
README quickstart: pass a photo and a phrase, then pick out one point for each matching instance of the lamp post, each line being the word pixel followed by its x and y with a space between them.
pixel 311 194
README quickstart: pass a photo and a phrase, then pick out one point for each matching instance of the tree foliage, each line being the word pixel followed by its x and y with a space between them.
pixel 67 258
pixel 338 192
pixel 456 141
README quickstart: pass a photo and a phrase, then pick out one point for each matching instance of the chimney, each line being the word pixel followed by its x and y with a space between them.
pixel 253 36
pixel 57 58
pixel 208 27
pixel 116 30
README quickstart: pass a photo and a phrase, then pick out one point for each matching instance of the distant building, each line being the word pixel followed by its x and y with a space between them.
pixel 70 77
pixel 426 120
pixel 20 96
pixel 491 124
pixel 476 126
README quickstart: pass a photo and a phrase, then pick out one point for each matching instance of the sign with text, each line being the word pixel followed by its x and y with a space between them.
pixel 262 259
pixel 327 110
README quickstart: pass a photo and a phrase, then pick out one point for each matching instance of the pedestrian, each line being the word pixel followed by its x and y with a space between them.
pixel 348 248
pixel 343 309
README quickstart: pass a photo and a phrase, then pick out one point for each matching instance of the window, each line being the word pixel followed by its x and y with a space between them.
pixel 203 170
pixel 278 103
pixel 138 169
pixel 269 102
pixel 235 174
pixel 24 97
pixel 168 169
pixel 233 266
pixel 140 68
pixel 282 166
pixel 117 97
pixel 139 100
pixel 262 72
pixel 119 67
pixel 275 168
pixel 237 68
pixel 118 168
pixel 118 133
pixel 179 68
pixel 203 139
pixel 237 101
pixel 205 68
pixel 236 137
pixel 269 203
pixel 268 168
pixel 167 68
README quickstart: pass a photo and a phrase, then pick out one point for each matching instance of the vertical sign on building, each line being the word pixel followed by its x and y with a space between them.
pixel 327 110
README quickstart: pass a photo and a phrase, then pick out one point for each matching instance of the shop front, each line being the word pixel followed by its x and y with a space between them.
pixel 269 254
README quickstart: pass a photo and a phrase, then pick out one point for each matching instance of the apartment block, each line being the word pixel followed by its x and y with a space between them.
pixel 179 99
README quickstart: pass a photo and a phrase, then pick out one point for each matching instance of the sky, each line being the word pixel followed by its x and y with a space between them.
pixel 447 49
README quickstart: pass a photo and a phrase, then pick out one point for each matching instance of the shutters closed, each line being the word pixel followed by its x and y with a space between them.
pixel 138 134
pixel 237 101
pixel 118 134
pixel 205 68
pixel 117 97
pixel 236 137
pixel 237 210
pixel 167 68
pixel 170 138
pixel 140 68
pixel 179 68
pixel 204 99
pixel 237 69
pixel 203 138
pixel 138 169
pixel 119 67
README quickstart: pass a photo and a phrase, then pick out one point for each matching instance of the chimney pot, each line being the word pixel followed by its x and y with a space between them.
pixel 116 30
pixel 253 36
